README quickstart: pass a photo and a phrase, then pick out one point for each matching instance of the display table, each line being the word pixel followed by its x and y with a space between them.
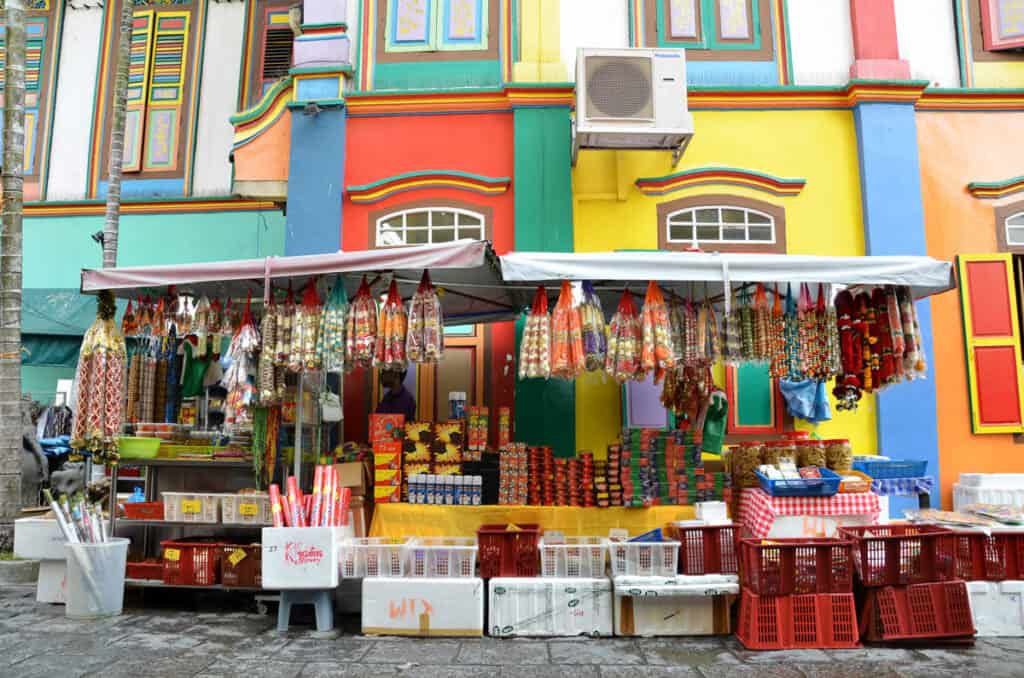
pixel 417 520
pixel 903 487
pixel 796 517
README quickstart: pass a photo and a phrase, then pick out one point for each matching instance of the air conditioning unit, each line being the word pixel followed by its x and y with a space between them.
pixel 632 99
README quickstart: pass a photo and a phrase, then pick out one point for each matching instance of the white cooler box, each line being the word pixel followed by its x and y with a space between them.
pixel 302 557
pixel 549 606
pixel 674 606
pixel 423 606
pixel 997 607
pixel 41 539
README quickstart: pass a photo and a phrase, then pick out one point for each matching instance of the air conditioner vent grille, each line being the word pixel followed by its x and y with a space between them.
pixel 619 87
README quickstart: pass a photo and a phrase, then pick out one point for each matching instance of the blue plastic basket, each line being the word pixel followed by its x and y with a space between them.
pixel 825 486
pixel 881 470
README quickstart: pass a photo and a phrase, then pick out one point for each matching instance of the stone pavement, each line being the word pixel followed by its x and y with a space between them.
pixel 220 635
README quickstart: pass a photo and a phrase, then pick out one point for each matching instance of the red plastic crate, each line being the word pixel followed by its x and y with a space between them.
pixel 783 566
pixel 508 552
pixel 245 571
pixel 899 555
pixel 995 557
pixel 144 510
pixel 149 569
pixel 816 620
pixel 191 563
pixel 920 611
pixel 707 549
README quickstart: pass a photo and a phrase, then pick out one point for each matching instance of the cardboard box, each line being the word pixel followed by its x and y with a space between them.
pixel 674 606
pixel 302 557
pixel 424 607
pixel 386 428
pixel 357 476
pixel 359 516
pixel 549 606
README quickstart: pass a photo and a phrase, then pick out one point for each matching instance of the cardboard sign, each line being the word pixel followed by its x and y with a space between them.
pixel 237 556
pixel 191 506
pixel 248 509
pixel 173 555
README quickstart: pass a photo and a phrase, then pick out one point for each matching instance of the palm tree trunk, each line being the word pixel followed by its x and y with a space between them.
pixel 12 179
pixel 113 214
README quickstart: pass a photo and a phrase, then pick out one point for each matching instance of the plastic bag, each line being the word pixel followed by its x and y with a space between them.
pixel 535 347
pixel 567 358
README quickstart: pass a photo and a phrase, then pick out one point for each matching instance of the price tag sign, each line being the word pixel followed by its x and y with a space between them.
pixel 191 506
pixel 237 556
pixel 174 555
pixel 248 509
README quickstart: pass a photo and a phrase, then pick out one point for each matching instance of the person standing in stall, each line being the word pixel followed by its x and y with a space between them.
pixel 397 400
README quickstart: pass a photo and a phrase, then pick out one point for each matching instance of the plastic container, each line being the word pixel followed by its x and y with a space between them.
pixel 964 495
pixel 241 566
pixel 899 555
pixel 574 557
pixel 149 569
pixel 138 447
pixel 644 559
pixel 441 557
pixel 373 557
pixel 94 583
pixel 993 557
pixel 839 454
pixel 811 453
pixel 862 484
pixel 881 470
pixel 786 566
pixel 825 486
pixel 191 507
pixel 706 549
pixel 997 608
pixel 743 460
pixel 812 621
pixel 191 563
pixel 770 452
pixel 144 510
pixel 245 509
pixel 917 612
pixel 509 550
pixel 993 481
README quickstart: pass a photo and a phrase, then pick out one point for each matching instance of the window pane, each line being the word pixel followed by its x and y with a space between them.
pixel 707 233
pixel 469 220
pixel 761 233
pixel 417 236
pixel 707 216
pixel 757 218
pixel 682 217
pixel 734 234
pixel 470 232
pixel 1016 220
pixel 390 239
pixel 680 232
pixel 443 235
pixel 440 218
pixel 1015 236
pixel 734 24
pixel 732 216
pixel 416 218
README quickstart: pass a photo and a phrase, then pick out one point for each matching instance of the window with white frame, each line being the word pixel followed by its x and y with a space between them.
pixel 428 225
pixel 721 224
pixel 1015 230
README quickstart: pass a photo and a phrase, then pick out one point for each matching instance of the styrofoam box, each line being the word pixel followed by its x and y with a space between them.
pixel 549 606
pixel 808 527
pixel 423 606
pixel 674 606
pixel 52 584
pixel 38 539
pixel 302 557
pixel 993 481
pixel 997 607
pixel 964 495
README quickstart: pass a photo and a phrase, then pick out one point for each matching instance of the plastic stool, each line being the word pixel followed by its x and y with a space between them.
pixel 321 600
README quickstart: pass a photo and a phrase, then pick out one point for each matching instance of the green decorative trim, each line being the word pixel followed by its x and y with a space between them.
pixel 440 90
pixel 299 105
pixel 44 175
pixel 961 44
pixel 341 25
pixel 263 105
pixel 409 181
pixel 788 42
pixel 306 70
pixel 732 176
pixel 993 190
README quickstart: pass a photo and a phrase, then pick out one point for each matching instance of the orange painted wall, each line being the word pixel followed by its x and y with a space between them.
pixel 956 149
pixel 265 158
pixel 381 147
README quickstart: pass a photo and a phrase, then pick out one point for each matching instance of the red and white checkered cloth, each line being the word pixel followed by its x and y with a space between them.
pixel 758 509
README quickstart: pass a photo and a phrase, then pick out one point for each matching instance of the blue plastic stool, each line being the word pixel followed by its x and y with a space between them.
pixel 321 600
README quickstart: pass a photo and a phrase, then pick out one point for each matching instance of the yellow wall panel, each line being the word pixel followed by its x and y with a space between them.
pixel 999 74
pixel 598 412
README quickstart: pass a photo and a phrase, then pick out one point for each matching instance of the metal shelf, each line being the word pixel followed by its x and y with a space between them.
pixel 158 584
pixel 182 523
pixel 188 463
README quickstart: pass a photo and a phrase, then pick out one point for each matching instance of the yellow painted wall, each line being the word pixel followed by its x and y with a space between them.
pixel 819 146
pixel 999 74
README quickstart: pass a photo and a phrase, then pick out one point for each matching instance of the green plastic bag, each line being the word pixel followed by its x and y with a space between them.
pixel 714 423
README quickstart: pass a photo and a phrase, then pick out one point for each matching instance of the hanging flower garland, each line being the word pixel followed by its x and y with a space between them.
pixel 791 336
pixel 595 336
pixel 330 342
pixel 657 353
pixel 238 378
pixel 265 380
pixel 425 342
pixel 762 326
pixel 778 361
pixel 625 338
pixel 567 359
pixel 101 385
pixel 361 328
pixel 914 363
pixel 392 329
pixel 285 320
pixel 535 347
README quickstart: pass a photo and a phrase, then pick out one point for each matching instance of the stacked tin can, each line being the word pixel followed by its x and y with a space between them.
pixel 513 475
pixel 586 466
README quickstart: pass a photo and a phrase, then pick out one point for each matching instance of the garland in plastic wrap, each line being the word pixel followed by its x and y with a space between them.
pixel 285 319
pixel 238 379
pixel 567 359
pixel 625 339
pixel 657 353
pixel 535 347
pixel 915 366
pixel 305 325
pixel 330 342
pixel 266 374
pixel 595 336
pixel 848 386
pixel 361 328
pixel 762 326
pixel 778 361
pixel 392 330
pixel 101 385
pixel 425 342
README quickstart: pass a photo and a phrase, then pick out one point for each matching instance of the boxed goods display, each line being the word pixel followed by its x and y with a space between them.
pixel 549 606
pixel 302 557
pixel 674 606
pixel 423 607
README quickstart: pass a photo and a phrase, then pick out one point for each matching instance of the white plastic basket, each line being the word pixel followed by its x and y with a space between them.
pixel 574 557
pixel 245 509
pixel 191 507
pixel 646 559
pixel 373 557
pixel 441 557
pixel 964 495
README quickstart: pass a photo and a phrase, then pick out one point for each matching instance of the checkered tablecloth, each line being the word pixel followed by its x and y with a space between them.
pixel 758 509
pixel 903 487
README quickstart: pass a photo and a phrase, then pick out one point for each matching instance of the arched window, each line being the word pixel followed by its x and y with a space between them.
pixel 425 225
pixel 1014 225
pixel 721 223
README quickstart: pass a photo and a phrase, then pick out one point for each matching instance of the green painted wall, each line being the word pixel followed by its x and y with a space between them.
pixel 436 75
pixel 41 381
pixel 545 410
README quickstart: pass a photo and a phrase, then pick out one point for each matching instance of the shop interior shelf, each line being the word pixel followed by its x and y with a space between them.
pixel 185 463
pixel 157 584
pixel 178 523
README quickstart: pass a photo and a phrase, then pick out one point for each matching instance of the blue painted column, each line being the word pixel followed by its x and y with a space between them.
pixel 890 178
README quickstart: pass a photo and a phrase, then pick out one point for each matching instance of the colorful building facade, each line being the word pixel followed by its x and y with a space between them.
pixel 846 127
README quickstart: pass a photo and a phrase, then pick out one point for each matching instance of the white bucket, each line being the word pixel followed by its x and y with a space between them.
pixel 95 579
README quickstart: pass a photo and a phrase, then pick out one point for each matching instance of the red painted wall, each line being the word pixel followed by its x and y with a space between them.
pixel 382 147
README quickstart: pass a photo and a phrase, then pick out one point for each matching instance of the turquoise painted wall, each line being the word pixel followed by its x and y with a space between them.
pixel 41 380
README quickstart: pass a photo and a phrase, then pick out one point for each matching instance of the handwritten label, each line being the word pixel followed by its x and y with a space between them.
pixel 237 556
pixel 173 555
pixel 248 509
pixel 191 506
pixel 409 607
pixel 301 554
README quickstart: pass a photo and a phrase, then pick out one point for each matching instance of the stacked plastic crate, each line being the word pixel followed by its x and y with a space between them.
pixel 797 594
pixel 913 592
pixel 681 586
pixel 993 566
pixel 572 597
